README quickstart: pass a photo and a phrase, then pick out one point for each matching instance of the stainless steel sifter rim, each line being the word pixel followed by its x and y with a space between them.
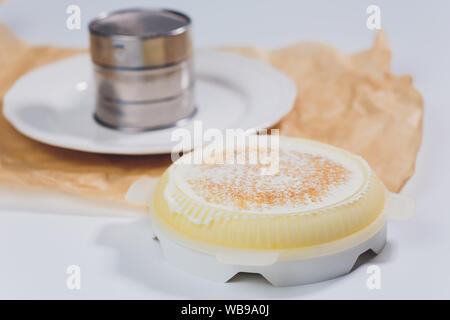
pixel 108 14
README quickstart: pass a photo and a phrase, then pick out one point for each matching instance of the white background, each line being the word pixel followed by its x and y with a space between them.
pixel 117 257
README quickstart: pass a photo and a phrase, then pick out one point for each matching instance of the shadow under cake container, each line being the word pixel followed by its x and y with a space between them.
pixel 309 222
pixel 143 68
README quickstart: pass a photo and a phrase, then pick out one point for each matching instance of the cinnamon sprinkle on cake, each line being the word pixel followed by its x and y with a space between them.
pixel 302 179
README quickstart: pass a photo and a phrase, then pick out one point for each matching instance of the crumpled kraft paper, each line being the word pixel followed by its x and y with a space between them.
pixel 351 101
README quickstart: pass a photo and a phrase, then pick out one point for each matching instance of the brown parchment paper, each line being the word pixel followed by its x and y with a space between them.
pixel 351 101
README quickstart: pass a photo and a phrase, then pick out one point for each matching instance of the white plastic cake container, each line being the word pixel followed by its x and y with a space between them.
pixel 280 267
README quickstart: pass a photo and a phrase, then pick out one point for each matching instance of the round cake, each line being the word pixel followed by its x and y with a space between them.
pixel 299 193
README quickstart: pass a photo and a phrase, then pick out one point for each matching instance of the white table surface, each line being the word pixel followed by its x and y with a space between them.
pixel 118 258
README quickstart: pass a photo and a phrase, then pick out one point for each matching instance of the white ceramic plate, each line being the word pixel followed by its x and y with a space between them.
pixel 54 104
